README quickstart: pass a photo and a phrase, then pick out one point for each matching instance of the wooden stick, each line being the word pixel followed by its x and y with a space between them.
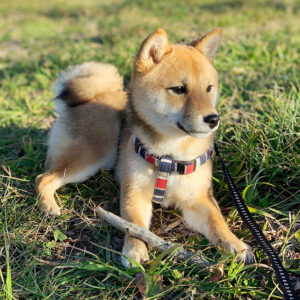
pixel 151 238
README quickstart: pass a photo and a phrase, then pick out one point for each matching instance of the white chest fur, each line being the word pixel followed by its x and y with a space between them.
pixel 182 190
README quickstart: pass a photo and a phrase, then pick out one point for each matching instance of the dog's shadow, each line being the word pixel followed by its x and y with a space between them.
pixel 22 150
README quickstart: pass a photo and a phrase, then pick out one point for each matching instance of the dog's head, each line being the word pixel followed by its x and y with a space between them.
pixel 174 88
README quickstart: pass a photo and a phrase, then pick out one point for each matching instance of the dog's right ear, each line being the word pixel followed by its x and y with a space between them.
pixel 152 50
pixel 209 44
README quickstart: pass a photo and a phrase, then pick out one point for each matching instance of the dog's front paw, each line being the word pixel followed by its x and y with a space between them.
pixel 49 207
pixel 134 249
pixel 243 250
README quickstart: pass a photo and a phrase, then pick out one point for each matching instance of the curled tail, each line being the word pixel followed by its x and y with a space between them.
pixel 83 83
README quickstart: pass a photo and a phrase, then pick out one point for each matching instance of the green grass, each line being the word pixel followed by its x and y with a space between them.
pixel 75 257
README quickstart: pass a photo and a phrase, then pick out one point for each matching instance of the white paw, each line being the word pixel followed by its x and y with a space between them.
pixel 135 250
pixel 246 254
pixel 243 250
pixel 50 208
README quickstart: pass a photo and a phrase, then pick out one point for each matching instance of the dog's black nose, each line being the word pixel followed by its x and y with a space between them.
pixel 212 120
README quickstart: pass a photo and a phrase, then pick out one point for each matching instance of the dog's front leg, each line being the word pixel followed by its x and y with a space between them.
pixel 136 208
pixel 205 217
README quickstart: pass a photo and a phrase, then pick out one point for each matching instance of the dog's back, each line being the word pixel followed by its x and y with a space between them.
pixel 90 100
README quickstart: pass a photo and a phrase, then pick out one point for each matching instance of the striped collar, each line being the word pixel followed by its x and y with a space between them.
pixel 167 165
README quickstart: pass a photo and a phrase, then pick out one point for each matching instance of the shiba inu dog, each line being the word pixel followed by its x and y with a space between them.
pixel 164 146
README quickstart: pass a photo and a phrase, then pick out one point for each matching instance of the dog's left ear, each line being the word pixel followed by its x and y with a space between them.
pixel 209 43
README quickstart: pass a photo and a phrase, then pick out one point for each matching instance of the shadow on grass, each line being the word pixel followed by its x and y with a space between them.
pixel 22 149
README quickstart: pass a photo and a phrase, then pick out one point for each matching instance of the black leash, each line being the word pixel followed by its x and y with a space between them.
pixel 281 273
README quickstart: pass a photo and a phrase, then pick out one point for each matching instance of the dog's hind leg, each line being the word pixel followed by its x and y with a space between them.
pixel 46 185
pixel 73 164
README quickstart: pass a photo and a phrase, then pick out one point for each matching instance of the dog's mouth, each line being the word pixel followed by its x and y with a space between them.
pixel 190 132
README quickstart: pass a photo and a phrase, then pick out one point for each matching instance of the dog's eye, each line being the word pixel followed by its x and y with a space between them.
pixel 178 89
pixel 209 88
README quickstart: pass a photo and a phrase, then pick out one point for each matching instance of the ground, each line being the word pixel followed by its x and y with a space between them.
pixel 73 256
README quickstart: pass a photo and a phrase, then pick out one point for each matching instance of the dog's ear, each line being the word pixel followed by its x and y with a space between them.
pixel 209 43
pixel 152 50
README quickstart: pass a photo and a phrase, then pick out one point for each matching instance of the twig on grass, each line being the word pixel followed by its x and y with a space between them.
pixel 151 238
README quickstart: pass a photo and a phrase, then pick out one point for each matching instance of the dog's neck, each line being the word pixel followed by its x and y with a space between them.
pixel 180 146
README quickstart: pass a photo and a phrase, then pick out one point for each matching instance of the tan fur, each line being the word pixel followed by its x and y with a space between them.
pixel 85 136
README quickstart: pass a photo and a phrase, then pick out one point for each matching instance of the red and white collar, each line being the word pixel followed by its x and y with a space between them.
pixel 167 165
